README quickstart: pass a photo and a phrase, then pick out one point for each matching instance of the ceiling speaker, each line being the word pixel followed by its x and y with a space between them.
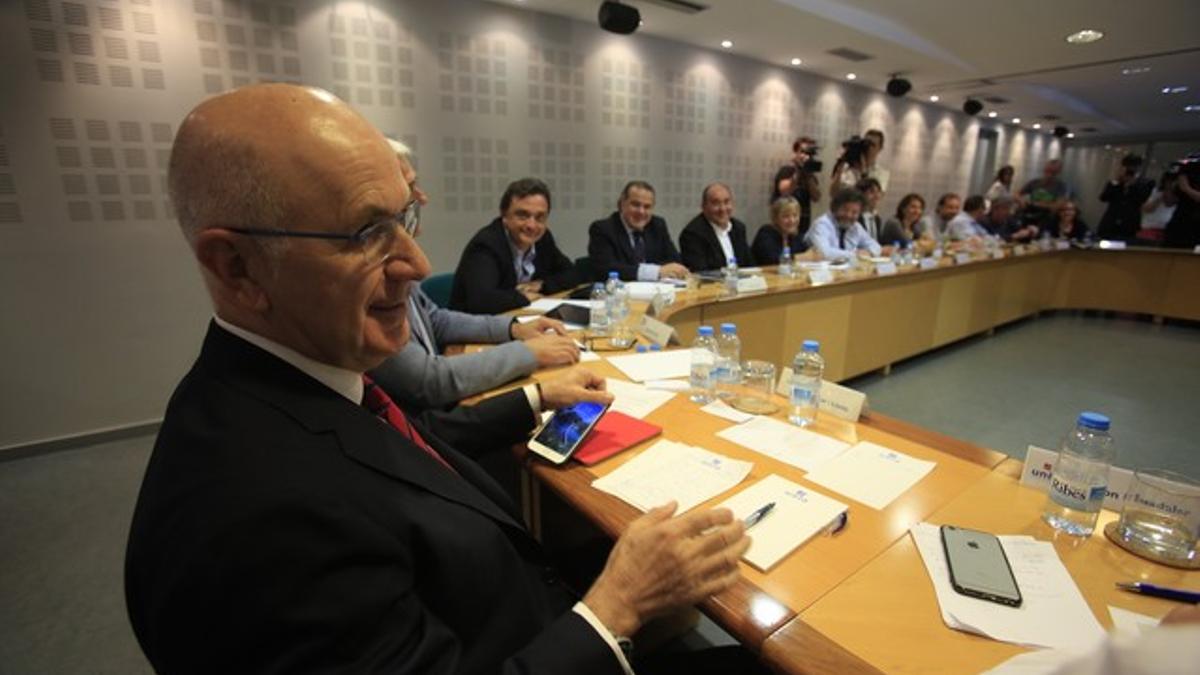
pixel 972 107
pixel 898 86
pixel 617 18
pixel 1061 131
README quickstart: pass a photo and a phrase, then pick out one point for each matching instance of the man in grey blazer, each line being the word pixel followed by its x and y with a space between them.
pixel 445 380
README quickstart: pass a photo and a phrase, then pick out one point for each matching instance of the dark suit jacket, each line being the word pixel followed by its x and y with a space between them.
pixel 1123 215
pixel 609 248
pixel 485 282
pixel 701 250
pixel 282 528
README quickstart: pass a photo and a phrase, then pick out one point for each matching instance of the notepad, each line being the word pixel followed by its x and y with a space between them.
pixel 789 444
pixel 654 365
pixel 668 470
pixel 799 514
pixel 871 474
pixel 635 400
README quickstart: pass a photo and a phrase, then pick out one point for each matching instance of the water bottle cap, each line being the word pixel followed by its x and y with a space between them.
pixel 811 346
pixel 705 330
pixel 613 275
pixel 787 249
pixel 641 348
pixel 597 286
pixel 729 328
pixel 1093 420
pixel 732 260
pixel 656 347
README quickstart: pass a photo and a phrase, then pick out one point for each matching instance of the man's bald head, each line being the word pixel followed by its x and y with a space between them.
pixel 240 157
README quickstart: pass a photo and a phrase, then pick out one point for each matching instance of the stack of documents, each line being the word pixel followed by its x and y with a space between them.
pixel 668 470
pixel 635 400
pixel 787 443
pixel 871 474
pixel 654 365
pixel 645 290
pixel 1052 613
pixel 798 515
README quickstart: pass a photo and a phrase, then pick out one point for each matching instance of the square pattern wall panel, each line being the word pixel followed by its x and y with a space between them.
pixel 556 85
pixel 735 112
pixel 244 42
pixel 563 166
pixel 473 74
pixel 778 117
pixel 624 94
pixel 371 57
pixel 101 43
pixel 735 171
pixel 472 173
pixel 620 164
pixel 686 102
pixel 10 209
pixel 112 170
pixel 685 175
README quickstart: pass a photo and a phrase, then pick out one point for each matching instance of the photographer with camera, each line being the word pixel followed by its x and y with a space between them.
pixel 798 179
pixel 1183 230
pixel 858 161
pixel 1159 209
pixel 1124 194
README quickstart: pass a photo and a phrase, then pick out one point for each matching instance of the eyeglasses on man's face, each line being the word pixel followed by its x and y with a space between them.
pixel 376 240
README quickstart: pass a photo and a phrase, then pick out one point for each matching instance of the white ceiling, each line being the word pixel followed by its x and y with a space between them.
pixel 1014 49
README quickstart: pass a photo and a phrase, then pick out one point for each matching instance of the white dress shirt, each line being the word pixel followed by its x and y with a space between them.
pixel 832 243
pixel 723 238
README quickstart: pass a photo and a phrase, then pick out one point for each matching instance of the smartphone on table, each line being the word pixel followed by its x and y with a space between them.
pixel 978 566
pixel 565 431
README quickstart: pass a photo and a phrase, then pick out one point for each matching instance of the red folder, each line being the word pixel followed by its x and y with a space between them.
pixel 612 434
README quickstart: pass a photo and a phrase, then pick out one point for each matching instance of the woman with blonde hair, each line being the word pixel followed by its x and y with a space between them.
pixel 783 230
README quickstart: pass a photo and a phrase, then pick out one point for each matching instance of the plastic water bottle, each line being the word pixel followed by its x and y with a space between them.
pixel 729 361
pixel 704 360
pixel 729 275
pixel 785 262
pixel 1080 479
pixel 619 331
pixel 598 313
pixel 805 391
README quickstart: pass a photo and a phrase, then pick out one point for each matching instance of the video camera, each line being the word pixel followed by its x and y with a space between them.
pixel 1188 166
pixel 853 150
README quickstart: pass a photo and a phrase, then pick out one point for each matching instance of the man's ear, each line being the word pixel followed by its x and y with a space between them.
pixel 233 264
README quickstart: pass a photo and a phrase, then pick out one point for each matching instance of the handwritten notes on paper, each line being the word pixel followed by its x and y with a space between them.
pixel 668 470
pixel 871 474
pixel 635 400
pixel 801 448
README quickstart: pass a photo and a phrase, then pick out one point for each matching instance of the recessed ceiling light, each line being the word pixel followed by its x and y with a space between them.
pixel 935 98
pixel 726 43
pixel 1016 120
pixel 1037 125
pixel 641 22
pixel 1135 71
pixel 796 62
pixel 1071 135
pixel 1174 90
pixel 1084 36
pixel 992 113
pixel 1191 108
pixel 851 76
pixel 1108 147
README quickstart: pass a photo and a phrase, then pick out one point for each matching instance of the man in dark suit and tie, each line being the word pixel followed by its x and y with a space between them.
pixel 633 241
pixel 513 260
pixel 715 236
pixel 292 517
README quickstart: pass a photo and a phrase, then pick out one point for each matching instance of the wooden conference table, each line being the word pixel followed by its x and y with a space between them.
pixel 860 600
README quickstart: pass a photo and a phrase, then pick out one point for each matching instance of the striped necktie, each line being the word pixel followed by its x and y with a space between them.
pixel 376 400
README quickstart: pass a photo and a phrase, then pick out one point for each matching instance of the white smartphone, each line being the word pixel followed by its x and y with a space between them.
pixel 564 432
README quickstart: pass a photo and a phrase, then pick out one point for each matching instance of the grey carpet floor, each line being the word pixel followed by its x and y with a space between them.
pixel 64 516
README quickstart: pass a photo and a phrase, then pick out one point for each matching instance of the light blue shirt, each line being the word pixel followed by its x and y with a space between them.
pixel 831 243
pixel 963 227
pixel 522 262
pixel 646 271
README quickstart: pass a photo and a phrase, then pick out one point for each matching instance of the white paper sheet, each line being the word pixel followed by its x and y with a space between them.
pixel 645 290
pixel 587 355
pixel 669 470
pixel 544 305
pixel 726 411
pixel 1052 614
pixel 799 514
pixel 787 443
pixel 526 318
pixel 871 474
pixel 654 365
pixel 635 400
pixel 1130 623
pixel 668 385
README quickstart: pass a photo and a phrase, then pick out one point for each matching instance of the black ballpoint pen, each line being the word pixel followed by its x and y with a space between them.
pixel 756 517
pixel 1177 594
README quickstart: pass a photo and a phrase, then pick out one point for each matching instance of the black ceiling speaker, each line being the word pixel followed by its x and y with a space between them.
pixel 972 107
pixel 1061 131
pixel 617 18
pixel 898 86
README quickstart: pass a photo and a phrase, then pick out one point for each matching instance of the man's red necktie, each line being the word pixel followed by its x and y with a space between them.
pixel 382 406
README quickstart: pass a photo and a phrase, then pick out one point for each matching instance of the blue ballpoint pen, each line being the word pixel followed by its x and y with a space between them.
pixel 1161 591
pixel 756 517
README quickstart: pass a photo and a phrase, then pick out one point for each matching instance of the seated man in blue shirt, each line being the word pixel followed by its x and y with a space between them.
pixel 965 226
pixel 838 235
pixel 633 241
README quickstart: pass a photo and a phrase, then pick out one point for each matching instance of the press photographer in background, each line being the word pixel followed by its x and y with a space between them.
pixel 1159 209
pixel 1124 194
pixel 1183 230
pixel 859 161
pixel 799 179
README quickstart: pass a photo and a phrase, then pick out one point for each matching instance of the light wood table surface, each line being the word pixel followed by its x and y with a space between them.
pixel 885 616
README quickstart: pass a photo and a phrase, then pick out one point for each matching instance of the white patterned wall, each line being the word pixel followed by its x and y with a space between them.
pixel 103 308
